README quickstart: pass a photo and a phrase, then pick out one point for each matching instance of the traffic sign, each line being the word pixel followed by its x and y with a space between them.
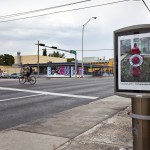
pixel 73 52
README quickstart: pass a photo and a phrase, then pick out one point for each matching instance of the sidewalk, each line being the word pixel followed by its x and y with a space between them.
pixel 100 125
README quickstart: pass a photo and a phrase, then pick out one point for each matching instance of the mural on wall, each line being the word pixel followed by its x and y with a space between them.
pixel 67 71
pixel 62 70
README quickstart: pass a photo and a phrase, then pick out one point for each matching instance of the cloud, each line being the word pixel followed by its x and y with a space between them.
pixel 64 30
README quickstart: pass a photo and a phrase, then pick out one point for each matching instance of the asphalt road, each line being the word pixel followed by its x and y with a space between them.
pixel 24 103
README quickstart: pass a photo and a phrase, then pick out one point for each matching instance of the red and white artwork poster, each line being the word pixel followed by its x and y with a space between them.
pixel 134 62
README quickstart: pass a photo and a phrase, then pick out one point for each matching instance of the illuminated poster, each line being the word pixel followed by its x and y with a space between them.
pixel 134 62
pixel 49 71
pixel 72 71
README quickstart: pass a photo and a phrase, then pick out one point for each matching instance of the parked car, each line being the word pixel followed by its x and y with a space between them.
pixel 15 75
pixel 4 75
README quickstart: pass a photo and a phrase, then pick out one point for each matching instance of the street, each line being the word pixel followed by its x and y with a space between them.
pixel 22 103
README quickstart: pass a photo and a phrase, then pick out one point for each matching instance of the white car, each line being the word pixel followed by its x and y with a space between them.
pixel 4 75
pixel 15 75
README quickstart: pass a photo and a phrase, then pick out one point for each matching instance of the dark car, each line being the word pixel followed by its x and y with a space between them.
pixel 15 75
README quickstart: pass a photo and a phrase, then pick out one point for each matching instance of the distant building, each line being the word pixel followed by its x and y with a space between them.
pixel 29 59
pixel 32 59
pixel 60 66
pixel 106 65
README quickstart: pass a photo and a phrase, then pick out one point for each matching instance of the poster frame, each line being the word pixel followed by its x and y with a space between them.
pixel 131 30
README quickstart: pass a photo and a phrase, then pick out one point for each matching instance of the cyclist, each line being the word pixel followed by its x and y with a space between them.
pixel 27 69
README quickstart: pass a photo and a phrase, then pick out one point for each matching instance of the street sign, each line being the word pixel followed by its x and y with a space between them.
pixel 73 52
pixel 91 66
pixel 132 60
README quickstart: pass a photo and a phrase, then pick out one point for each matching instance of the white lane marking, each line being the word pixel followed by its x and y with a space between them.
pixel 48 93
pixel 9 99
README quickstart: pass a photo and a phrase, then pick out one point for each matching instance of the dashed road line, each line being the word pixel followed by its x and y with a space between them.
pixel 48 93
pixel 9 99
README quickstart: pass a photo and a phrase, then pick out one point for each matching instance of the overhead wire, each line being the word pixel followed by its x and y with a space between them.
pixel 146 5
pixel 69 10
pixel 44 9
pixel 96 50
pixel 84 50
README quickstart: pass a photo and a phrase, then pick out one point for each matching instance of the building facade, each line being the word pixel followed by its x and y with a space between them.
pixel 32 59
pixel 107 66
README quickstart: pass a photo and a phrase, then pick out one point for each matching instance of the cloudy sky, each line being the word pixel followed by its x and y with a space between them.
pixel 64 29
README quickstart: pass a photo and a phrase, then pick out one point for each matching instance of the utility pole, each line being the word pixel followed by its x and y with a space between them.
pixel 38 68
pixel 75 53
pixel 76 65
pixel 83 41
pixel 141 123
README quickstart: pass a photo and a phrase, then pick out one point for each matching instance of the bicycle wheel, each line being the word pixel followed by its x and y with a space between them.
pixel 32 80
pixel 22 80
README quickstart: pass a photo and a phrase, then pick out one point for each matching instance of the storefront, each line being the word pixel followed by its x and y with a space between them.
pixel 66 69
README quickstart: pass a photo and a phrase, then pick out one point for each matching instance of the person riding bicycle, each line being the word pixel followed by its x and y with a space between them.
pixel 27 69
pixel 25 77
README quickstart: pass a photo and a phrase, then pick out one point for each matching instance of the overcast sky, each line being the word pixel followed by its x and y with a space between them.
pixel 64 30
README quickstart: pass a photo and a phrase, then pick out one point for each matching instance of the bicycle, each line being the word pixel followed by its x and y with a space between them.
pixel 23 79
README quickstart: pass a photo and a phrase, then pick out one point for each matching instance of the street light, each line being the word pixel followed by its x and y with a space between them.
pixel 82 41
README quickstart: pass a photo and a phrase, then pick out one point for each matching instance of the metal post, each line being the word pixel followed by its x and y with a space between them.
pixel 83 41
pixel 75 65
pixel 70 71
pixel 82 51
pixel 38 68
pixel 21 67
pixel 141 123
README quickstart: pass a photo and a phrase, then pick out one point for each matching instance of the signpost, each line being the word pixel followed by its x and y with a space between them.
pixel 54 47
pixel 132 78
pixel 75 53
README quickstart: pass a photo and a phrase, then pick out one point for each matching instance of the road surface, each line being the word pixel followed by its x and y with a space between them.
pixel 25 103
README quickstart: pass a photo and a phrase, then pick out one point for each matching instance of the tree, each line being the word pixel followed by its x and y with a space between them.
pixel 6 59
pixel 57 54
pixel 44 52
pixel 70 59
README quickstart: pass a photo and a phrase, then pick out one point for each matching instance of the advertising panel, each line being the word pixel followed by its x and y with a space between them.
pixel 72 71
pixel 134 62
pixel 49 71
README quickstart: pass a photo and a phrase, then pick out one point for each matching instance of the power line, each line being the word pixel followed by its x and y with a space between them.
pixel 96 50
pixel 146 5
pixel 81 8
pixel 84 50
pixel 38 10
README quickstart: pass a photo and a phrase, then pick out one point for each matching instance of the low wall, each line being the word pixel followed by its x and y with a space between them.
pixel 10 69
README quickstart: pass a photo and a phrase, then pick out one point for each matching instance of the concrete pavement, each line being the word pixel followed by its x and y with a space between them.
pixel 100 125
